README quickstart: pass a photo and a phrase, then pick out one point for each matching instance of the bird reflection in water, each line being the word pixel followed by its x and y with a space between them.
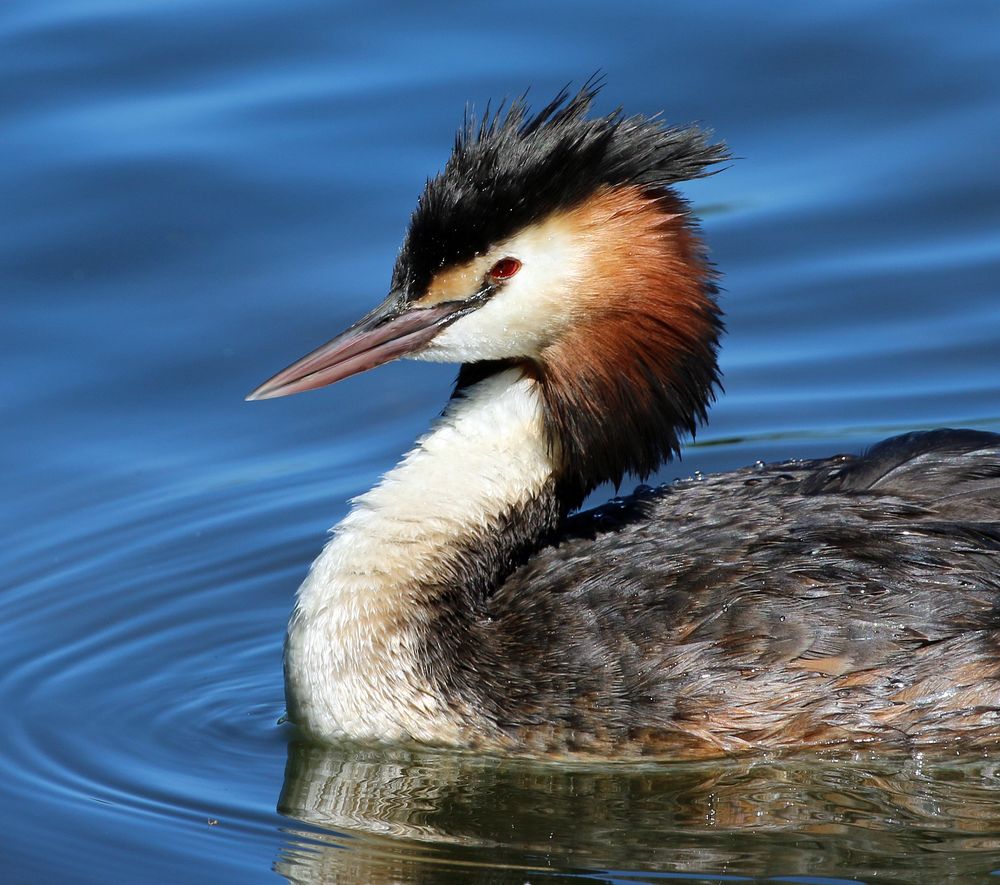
pixel 373 816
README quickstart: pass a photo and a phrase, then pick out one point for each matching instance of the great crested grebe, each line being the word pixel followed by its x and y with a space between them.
pixel 459 603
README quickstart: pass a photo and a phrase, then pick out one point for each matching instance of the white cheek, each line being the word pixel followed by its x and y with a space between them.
pixel 529 310
pixel 504 327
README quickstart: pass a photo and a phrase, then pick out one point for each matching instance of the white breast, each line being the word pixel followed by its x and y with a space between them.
pixel 351 668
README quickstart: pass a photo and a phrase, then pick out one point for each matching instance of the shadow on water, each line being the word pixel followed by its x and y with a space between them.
pixel 367 816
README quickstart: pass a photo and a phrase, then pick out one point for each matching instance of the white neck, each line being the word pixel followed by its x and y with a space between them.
pixel 350 657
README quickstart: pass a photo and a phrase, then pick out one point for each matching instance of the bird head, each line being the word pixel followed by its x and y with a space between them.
pixel 556 242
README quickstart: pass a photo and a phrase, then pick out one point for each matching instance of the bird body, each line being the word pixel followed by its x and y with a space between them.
pixel 461 603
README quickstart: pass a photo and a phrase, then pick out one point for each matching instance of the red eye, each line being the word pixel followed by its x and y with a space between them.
pixel 505 268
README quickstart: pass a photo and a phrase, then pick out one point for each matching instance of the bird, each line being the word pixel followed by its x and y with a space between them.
pixel 466 601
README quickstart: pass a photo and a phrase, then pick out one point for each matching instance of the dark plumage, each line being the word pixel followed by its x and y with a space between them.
pixel 811 602
pixel 509 170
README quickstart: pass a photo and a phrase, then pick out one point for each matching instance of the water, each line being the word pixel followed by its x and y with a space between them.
pixel 193 194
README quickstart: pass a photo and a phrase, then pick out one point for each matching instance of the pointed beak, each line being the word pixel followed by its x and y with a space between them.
pixel 390 331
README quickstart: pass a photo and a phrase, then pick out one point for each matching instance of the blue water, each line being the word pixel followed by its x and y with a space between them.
pixel 194 193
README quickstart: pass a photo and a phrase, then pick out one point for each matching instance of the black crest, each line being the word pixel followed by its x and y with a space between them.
pixel 510 169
